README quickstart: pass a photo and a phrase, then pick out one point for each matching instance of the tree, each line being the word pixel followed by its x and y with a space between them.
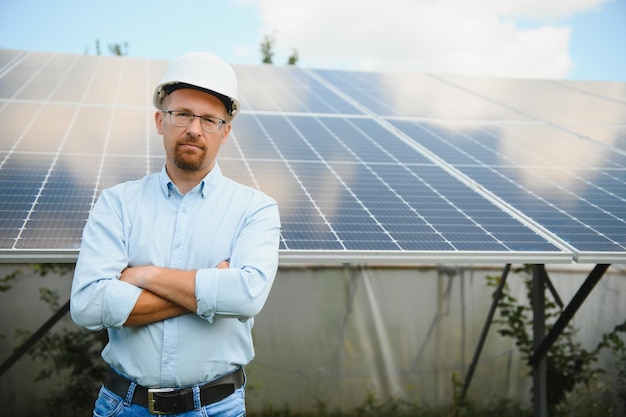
pixel 266 49
pixel 116 49
pixel 293 58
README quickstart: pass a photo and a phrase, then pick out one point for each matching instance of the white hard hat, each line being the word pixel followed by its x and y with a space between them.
pixel 202 71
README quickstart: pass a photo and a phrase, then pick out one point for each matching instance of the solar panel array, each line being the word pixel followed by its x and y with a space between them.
pixel 366 167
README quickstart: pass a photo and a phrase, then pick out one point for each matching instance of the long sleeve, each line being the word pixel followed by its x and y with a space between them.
pixel 98 298
pixel 241 290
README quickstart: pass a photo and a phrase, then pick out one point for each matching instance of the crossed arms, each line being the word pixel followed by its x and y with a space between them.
pixel 166 293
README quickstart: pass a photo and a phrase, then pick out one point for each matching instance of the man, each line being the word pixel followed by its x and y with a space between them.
pixel 176 265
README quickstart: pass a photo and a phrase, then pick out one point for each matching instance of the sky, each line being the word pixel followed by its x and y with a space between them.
pixel 537 39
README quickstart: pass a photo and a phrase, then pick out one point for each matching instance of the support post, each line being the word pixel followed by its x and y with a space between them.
pixel 540 386
pixel 483 336
pixel 22 350
pixel 541 350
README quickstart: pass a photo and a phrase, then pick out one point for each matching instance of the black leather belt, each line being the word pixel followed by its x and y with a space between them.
pixel 176 400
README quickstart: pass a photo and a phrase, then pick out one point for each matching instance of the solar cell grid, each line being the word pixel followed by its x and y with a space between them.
pixel 550 101
pixel 611 90
pixel 544 200
pixel 363 88
pixel 416 95
pixel 77 80
pixel 8 56
pixel 457 170
pixel 116 169
pixel 287 90
pixel 134 84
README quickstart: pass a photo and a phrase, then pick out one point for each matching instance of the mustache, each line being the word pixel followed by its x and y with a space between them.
pixel 190 141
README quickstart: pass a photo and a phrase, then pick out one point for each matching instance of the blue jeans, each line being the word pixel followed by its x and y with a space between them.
pixel 110 405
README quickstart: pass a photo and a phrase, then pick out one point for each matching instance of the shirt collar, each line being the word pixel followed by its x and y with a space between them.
pixel 208 183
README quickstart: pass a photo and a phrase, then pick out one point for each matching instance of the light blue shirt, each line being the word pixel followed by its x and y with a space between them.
pixel 149 222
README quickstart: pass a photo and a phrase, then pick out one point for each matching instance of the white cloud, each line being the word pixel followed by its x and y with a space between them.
pixel 437 36
pixel 542 9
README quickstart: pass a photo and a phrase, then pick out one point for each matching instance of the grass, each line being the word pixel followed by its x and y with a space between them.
pixel 399 408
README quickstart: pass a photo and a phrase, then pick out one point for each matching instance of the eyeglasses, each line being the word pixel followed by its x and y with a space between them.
pixel 183 118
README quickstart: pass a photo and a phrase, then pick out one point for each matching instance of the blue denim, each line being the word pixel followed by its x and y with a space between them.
pixel 110 405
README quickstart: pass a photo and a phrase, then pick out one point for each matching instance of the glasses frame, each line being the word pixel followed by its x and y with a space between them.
pixel 221 123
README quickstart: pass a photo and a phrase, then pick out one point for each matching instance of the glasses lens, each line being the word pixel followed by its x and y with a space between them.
pixel 208 123
pixel 180 118
pixel 211 124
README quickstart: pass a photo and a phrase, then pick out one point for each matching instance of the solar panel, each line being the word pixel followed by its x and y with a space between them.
pixel 366 167
pixel 568 188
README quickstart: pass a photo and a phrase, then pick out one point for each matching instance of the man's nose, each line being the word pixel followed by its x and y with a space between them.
pixel 195 126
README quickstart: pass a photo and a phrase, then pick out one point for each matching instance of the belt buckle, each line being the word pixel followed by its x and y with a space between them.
pixel 151 400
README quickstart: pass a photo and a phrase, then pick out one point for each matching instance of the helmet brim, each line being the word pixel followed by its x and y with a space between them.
pixel 231 106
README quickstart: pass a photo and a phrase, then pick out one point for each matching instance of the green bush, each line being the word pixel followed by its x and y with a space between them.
pixel 74 355
pixel 570 367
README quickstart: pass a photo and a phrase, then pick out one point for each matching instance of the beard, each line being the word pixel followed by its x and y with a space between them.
pixel 189 161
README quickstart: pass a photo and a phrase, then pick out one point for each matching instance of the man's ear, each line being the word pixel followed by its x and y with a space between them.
pixel 158 119
pixel 226 131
